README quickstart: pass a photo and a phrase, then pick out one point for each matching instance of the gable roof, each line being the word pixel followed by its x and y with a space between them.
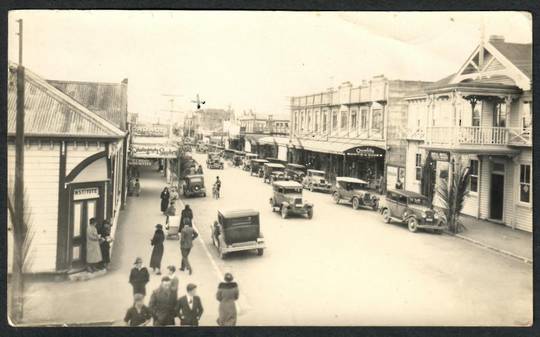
pixel 109 100
pixel 518 53
pixel 51 113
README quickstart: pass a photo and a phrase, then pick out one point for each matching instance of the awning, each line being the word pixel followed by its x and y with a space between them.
pixel 341 148
pixel 254 139
pixel 283 141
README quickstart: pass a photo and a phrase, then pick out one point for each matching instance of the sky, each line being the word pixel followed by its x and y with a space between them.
pixel 248 59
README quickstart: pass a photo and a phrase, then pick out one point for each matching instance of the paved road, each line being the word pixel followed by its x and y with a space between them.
pixel 347 267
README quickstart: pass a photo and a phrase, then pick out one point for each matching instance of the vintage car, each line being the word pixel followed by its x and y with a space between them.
pixel 413 209
pixel 201 148
pixel 256 167
pixel 238 158
pixel 295 172
pixel 354 191
pixel 247 160
pixel 315 180
pixel 228 154
pixel 276 161
pixel 273 172
pixel 214 161
pixel 194 185
pixel 287 199
pixel 237 230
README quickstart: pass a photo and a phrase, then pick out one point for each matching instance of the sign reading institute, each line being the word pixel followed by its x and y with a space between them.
pixel 86 193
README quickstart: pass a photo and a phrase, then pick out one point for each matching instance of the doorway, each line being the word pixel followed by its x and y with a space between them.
pixel 82 211
pixel 496 203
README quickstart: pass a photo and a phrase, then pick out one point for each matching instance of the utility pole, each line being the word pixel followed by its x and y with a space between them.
pixel 19 228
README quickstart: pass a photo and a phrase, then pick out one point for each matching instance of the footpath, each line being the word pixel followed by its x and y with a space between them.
pixel 104 300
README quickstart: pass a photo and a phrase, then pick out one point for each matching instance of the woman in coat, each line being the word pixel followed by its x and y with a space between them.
pixel 93 250
pixel 227 294
pixel 165 195
pixel 157 251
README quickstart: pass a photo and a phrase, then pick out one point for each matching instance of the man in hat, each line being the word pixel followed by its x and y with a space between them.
pixel 162 303
pixel 139 277
pixel 187 235
pixel 139 314
pixel 189 307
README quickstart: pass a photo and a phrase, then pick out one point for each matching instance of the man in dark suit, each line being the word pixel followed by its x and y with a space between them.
pixel 189 307
pixel 187 235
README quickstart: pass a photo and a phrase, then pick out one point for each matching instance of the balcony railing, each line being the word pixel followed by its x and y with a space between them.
pixel 472 135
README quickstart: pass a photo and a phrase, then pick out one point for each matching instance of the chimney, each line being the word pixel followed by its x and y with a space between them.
pixel 496 38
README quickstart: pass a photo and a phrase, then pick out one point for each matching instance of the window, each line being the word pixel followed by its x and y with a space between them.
pixel 476 113
pixel 334 120
pixel 525 183
pixel 324 122
pixel 526 117
pixel 344 119
pixel 317 121
pixel 473 182
pixel 353 119
pixel 499 115
pixel 418 164
pixel 309 121
pixel 364 118
pixel 377 119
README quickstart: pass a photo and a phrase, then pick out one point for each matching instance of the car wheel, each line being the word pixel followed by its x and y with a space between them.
pixel 284 213
pixel 335 196
pixel 386 215
pixel 412 223
pixel 355 203
pixel 260 251
pixel 310 214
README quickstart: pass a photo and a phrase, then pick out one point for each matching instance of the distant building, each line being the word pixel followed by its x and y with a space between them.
pixel 265 134
pixel 480 117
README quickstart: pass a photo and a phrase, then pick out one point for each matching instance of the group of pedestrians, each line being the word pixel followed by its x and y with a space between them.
pixel 98 245
pixel 165 305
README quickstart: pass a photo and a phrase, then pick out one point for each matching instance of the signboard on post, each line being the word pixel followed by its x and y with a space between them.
pixel 153 151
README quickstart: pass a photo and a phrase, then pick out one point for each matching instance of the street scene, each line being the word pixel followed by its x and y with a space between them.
pixel 378 196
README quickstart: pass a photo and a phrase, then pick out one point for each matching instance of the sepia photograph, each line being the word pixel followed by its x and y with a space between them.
pixel 214 168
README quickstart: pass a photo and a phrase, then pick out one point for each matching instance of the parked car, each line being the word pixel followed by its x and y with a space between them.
pixel 238 158
pixel 413 209
pixel 295 172
pixel 194 185
pixel 287 199
pixel 273 172
pixel 315 180
pixel 247 160
pixel 276 161
pixel 201 148
pixel 214 161
pixel 354 191
pixel 237 230
pixel 228 154
pixel 256 167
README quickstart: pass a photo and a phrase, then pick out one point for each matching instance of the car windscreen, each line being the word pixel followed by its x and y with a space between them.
pixel 295 190
pixel 418 201
pixel 357 186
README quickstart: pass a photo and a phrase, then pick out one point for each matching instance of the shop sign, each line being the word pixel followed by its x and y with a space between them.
pixel 440 156
pixel 140 162
pixel 149 130
pixel 86 193
pixel 365 151
pixel 153 151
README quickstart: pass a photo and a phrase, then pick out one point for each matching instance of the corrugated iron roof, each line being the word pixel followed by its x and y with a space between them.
pixel 50 112
pixel 520 54
pixel 109 100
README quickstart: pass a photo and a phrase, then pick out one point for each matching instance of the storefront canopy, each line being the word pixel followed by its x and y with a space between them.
pixel 284 141
pixel 340 148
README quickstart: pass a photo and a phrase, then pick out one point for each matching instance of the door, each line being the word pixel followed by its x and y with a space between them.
pixel 496 196
pixel 82 211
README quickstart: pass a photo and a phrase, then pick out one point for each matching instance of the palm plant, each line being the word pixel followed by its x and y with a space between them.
pixel 452 195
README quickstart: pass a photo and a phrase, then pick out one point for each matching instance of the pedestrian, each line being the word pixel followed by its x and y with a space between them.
pixel 139 314
pixel 93 250
pixel 105 243
pixel 227 294
pixel 157 251
pixel 137 187
pixel 174 279
pixel 187 235
pixel 139 277
pixel 200 170
pixel 163 304
pixel 189 308
pixel 218 186
pixel 165 195
pixel 186 217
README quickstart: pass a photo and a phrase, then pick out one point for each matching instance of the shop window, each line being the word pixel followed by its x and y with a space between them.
pixel 353 119
pixel 525 183
pixel 377 119
pixel 364 118
pixel 526 117
pixel 499 115
pixel 344 119
pixel 418 164
pixel 476 113
pixel 473 171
